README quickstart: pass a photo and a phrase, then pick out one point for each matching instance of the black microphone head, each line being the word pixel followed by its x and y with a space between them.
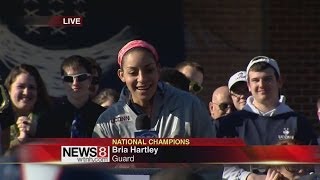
pixel 143 122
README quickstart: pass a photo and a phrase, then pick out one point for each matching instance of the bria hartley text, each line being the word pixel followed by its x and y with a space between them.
pixel 135 149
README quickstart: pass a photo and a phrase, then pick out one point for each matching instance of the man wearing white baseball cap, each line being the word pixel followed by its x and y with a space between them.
pixel 238 89
pixel 265 119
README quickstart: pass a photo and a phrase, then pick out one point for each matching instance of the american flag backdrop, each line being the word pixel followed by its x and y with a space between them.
pixel 108 25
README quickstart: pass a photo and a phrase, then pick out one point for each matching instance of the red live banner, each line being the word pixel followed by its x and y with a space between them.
pixel 202 150
pixel 66 21
pixel 58 22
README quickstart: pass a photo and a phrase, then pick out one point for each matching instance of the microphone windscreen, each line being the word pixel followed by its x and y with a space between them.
pixel 143 122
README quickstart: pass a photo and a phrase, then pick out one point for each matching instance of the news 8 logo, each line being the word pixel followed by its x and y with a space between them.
pixel 85 154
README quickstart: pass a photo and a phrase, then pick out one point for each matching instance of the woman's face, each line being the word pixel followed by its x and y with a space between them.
pixel 140 73
pixel 23 93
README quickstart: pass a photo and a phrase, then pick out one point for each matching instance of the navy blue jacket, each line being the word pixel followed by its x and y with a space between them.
pixel 255 129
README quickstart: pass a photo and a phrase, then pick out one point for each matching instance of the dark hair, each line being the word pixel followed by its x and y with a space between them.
pixel 174 78
pixel 75 61
pixel 176 174
pixel 43 99
pixel 261 66
pixel 95 66
pixel 106 94
pixel 193 64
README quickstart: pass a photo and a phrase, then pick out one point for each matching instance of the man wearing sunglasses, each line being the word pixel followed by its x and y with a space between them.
pixel 265 119
pixel 221 103
pixel 194 72
pixel 75 115
pixel 238 89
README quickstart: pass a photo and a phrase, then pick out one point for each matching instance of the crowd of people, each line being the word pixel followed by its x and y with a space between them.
pixel 248 106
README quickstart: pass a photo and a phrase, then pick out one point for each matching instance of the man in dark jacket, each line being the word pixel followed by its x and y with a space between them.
pixel 265 119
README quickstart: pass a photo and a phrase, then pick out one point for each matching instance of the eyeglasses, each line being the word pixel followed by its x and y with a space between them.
pixel 239 95
pixel 240 92
pixel 195 87
pixel 80 77
pixel 95 80
pixel 223 106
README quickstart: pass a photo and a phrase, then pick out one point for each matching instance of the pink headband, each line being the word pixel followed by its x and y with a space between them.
pixel 136 44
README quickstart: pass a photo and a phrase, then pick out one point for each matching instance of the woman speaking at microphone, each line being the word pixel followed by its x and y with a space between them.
pixel 170 112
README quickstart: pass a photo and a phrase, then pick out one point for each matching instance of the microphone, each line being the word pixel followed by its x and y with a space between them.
pixel 143 122
pixel 143 126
